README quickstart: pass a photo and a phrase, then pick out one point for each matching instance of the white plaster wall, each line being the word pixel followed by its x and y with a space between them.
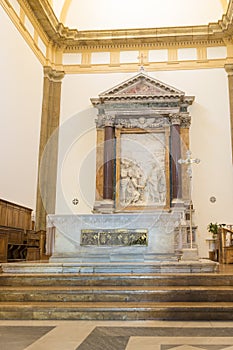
pixel 210 141
pixel 20 103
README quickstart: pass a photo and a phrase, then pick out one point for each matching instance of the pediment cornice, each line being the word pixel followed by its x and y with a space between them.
pixel 142 88
pixel 142 85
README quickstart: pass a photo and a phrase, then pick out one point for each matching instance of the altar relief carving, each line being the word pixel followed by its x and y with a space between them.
pixel 143 122
pixel 142 169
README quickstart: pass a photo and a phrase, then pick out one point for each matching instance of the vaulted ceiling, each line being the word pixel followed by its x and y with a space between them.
pixel 111 14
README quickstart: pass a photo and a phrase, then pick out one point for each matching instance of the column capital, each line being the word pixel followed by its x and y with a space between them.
pixel 103 120
pixel 229 68
pixel 175 119
pixel 109 120
pixel 185 120
pixel 53 74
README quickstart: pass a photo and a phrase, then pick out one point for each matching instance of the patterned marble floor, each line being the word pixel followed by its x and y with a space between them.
pixel 115 335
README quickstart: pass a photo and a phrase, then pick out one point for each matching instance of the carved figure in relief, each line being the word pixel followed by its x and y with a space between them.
pixel 132 184
pixel 155 189
pixel 151 190
pixel 137 189
pixel 161 185
pixel 124 179
pixel 134 187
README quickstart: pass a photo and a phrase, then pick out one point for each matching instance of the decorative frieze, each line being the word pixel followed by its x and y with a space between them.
pixel 114 237
pixel 142 122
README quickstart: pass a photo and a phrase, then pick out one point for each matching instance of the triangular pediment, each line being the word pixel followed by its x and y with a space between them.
pixel 141 85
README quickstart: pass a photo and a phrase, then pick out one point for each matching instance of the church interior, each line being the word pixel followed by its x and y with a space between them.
pixel 116 203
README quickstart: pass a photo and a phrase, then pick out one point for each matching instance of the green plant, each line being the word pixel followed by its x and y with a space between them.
pixel 213 228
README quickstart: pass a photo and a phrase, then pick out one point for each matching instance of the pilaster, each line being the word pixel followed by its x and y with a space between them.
pixel 229 70
pixel 184 146
pixel 184 138
pixel 99 164
pixel 48 150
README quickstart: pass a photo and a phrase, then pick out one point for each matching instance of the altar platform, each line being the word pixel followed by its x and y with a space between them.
pixel 137 268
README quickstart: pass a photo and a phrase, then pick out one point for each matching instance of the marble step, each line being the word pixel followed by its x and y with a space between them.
pixel 117 311
pixel 209 279
pixel 172 267
pixel 117 294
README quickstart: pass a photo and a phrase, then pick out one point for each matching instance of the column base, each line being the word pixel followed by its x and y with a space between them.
pixel 177 202
pixel 189 254
pixel 106 206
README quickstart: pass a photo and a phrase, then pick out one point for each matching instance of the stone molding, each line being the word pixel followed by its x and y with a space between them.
pixel 73 40
pixel 229 69
pixel 53 75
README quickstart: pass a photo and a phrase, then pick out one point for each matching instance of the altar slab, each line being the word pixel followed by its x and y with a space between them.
pixel 65 245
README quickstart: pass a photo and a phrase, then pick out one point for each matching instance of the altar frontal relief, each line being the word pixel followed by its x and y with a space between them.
pixel 142 169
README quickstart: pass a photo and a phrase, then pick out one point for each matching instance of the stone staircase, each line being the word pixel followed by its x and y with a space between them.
pixel 115 296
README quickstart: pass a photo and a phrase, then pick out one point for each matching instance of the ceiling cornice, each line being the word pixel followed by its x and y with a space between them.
pixel 72 39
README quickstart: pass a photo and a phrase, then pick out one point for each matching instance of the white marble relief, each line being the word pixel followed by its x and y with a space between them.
pixel 143 179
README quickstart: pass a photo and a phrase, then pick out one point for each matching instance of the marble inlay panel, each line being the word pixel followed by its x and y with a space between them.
pixel 89 335
pixel 19 337
pixel 158 338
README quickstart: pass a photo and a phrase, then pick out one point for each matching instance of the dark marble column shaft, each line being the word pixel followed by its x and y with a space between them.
pixel 48 149
pixel 108 162
pixel 175 166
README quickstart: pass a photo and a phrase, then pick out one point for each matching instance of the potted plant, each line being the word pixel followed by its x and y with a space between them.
pixel 213 228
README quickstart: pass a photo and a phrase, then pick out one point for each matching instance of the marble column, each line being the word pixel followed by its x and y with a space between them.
pixel 176 190
pixel 108 161
pixel 48 151
pixel 229 70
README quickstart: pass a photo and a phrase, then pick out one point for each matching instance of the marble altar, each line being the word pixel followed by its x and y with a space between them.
pixel 67 245
pixel 141 204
